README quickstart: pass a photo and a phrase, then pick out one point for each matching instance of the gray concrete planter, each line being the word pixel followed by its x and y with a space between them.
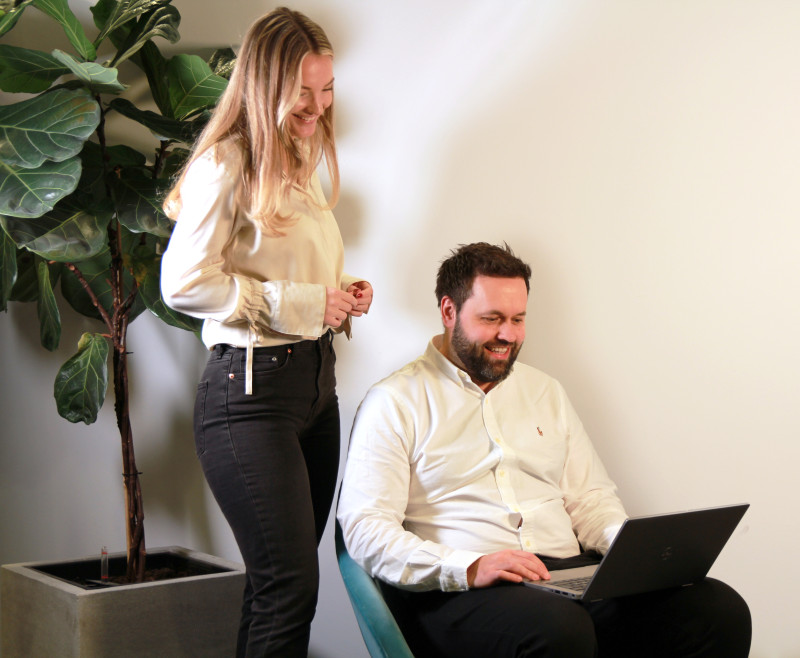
pixel 44 615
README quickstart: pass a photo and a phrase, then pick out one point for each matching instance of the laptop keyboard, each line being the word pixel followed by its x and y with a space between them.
pixel 578 584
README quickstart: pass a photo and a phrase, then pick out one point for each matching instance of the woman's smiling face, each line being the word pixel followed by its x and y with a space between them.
pixel 316 95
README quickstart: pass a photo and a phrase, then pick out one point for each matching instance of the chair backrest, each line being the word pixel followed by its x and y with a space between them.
pixel 378 626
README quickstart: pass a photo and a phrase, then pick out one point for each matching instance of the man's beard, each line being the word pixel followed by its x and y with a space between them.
pixel 480 367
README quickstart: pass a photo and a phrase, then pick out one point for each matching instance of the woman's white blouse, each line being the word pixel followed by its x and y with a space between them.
pixel 250 288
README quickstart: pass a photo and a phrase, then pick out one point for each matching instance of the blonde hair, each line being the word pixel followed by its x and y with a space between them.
pixel 252 114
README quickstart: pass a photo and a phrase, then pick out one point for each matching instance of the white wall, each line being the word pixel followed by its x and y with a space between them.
pixel 642 156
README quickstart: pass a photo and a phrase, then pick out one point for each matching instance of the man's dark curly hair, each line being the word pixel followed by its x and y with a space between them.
pixel 457 273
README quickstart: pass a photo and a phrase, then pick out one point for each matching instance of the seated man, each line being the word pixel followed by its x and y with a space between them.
pixel 464 469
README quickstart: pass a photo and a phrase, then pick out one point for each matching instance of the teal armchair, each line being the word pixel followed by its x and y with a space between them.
pixel 378 626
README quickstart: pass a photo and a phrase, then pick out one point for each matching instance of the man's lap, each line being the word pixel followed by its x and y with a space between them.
pixel 511 620
pixel 706 619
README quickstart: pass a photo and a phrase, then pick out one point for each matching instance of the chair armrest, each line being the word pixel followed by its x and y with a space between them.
pixel 378 627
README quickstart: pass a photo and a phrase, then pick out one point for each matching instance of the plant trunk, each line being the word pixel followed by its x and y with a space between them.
pixel 134 510
pixel 122 304
pixel 130 474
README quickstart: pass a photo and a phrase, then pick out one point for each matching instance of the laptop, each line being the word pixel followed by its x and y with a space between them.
pixel 651 553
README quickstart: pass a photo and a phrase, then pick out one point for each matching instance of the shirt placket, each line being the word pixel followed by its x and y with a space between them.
pixel 506 465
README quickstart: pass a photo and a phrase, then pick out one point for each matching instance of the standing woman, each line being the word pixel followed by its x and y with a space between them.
pixel 257 254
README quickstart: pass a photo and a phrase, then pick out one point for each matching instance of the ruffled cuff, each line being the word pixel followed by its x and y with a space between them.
pixel 293 308
pixel 348 280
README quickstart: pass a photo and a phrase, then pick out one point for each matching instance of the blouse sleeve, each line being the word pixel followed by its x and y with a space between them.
pixel 195 277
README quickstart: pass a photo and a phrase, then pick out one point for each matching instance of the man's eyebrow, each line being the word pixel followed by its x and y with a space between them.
pixel 494 312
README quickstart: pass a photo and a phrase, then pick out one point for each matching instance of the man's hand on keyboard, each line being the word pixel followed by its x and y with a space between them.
pixel 512 566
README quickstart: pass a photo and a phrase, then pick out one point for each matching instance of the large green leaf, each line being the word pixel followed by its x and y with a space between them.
pixel 47 309
pixel 33 192
pixel 101 15
pixel 96 163
pixel 138 199
pixel 60 11
pixel 163 127
pixel 118 155
pixel 8 268
pixel 81 383
pixel 66 234
pixel 28 71
pixel 9 18
pixel 101 12
pixel 222 62
pixel 100 79
pixel 26 287
pixel 52 126
pixel 97 271
pixel 114 15
pixel 192 85
pixel 150 60
pixel 163 22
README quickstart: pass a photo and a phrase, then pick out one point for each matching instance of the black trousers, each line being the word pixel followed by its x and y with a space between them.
pixel 707 619
pixel 271 460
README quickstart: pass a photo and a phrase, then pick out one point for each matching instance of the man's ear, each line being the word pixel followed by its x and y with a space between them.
pixel 447 307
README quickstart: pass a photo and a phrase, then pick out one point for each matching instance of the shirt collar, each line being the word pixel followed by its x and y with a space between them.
pixel 449 369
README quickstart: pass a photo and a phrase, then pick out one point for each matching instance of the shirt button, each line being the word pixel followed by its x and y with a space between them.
pixel 501 473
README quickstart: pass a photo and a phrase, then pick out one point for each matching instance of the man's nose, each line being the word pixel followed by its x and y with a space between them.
pixel 510 332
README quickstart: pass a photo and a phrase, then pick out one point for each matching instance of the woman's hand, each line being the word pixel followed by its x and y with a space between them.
pixel 362 291
pixel 338 305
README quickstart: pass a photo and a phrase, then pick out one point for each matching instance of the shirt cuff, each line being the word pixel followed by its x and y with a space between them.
pixel 453 577
pixel 609 535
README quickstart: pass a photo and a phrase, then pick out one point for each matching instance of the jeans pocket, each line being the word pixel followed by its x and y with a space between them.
pixel 270 360
pixel 199 418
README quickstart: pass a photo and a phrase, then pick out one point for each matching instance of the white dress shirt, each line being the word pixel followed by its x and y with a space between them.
pixel 440 473
pixel 250 288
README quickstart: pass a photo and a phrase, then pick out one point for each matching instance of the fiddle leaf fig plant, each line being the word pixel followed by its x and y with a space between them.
pixel 81 212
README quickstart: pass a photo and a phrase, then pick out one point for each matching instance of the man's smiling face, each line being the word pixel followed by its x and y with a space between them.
pixel 488 332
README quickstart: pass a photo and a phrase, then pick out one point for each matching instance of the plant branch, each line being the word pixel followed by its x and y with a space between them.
pixel 95 301
pixel 161 155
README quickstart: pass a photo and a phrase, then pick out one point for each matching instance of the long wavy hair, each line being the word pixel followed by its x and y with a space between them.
pixel 252 115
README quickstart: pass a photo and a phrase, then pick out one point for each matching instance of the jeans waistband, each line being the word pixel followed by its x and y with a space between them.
pixel 325 339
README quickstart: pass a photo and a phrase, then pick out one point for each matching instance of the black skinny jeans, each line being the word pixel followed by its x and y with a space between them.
pixel 271 460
